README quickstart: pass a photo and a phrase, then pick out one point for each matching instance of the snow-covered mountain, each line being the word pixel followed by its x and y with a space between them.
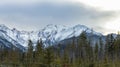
pixel 50 34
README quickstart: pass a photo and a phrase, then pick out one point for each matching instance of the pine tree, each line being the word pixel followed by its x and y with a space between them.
pixel 65 58
pixel 89 52
pixel 82 44
pixel 96 52
pixel 1 53
pixel 101 51
pixel 49 56
pixel 39 52
pixel 29 57
pixel 109 45
pixel 82 49
pixel 117 47
pixel 14 57
pixel 30 47
pixel 72 51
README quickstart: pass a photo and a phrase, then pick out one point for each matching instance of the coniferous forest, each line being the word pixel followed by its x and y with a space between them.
pixel 79 53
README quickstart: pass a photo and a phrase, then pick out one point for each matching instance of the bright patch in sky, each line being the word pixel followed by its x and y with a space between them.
pixel 112 5
pixel 113 26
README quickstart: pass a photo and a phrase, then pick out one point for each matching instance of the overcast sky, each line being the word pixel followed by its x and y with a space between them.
pixel 102 16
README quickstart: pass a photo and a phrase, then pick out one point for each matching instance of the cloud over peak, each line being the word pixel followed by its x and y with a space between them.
pixel 37 14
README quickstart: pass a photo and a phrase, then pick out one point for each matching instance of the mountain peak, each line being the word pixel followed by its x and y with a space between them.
pixel 55 26
pixel 2 26
pixel 79 25
pixel 50 34
pixel 85 28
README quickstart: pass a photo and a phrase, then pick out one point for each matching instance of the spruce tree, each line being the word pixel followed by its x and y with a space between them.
pixel 49 56
pixel 29 57
pixel 65 61
pixel 96 52
pixel 101 51
pixel 82 49
pixel 117 47
pixel 109 47
pixel 39 52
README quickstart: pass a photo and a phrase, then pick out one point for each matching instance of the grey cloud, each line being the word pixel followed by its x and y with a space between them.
pixel 39 15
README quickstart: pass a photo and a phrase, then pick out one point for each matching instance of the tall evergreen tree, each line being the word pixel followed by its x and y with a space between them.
pixel 29 55
pixel 110 45
pixel 96 52
pixel 39 52
pixel 117 47
pixel 49 56
pixel 82 48
pixel 65 58
pixel 101 51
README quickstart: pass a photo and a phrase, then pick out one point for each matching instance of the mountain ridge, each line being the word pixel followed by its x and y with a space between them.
pixel 50 34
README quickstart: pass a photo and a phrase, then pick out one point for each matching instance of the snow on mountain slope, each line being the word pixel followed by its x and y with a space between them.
pixel 5 38
pixel 50 34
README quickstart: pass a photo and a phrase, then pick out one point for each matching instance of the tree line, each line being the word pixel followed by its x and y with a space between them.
pixel 78 53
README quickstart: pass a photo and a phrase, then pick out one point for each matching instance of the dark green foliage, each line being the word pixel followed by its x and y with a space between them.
pixel 96 49
pixel 30 46
pixel 78 53
pixel 101 49
pixel 39 52
pixel 49 57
